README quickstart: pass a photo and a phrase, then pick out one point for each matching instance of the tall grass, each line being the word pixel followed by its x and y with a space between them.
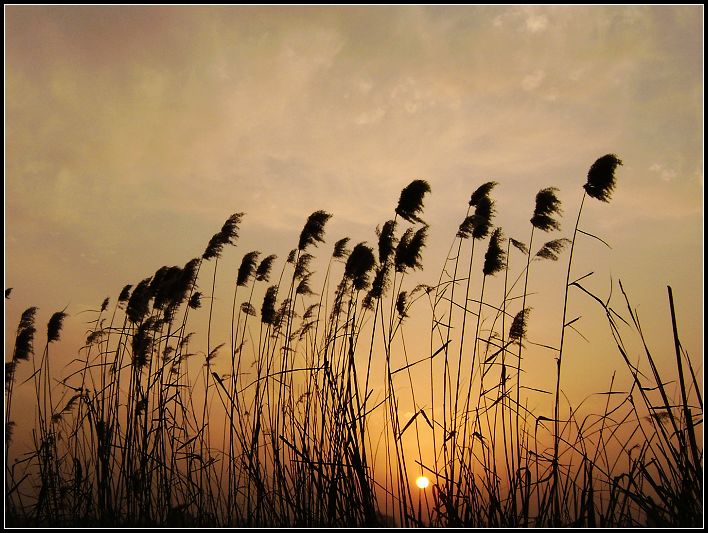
pixel 310 410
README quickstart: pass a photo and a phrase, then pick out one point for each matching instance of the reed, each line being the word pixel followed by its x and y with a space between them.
pixel 313 407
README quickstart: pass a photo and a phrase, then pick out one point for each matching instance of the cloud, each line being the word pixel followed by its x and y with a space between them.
pixel 278 113
pixel 666 174
pixel 536 23
pixel 523 19
pixel 533 81
pixel 370 117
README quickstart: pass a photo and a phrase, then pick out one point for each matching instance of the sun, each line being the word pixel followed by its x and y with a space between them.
pixel 422 482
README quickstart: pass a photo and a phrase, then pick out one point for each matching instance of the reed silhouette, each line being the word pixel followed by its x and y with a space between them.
pixel 316 409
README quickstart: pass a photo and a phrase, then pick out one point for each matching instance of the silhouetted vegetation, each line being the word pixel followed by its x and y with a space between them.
pixel 295 418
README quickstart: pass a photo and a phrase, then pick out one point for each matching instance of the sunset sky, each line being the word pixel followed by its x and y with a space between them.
pixel 132 133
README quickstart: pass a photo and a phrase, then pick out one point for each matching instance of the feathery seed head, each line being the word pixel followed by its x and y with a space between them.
pixel 54 326
pixel 360 262
pixel 248 309
pixel 387 240
pixel 410 203
pixel 302 268
pixel 10 367
pixel 25 335
pixel 517 332
pixel 303 287
pixel 401 303
pixel 125 294
pixel 227 235
pixel 195 301
pixel 164 287
pixel 601 177
pixel 409 249
pixel 313 232
pixel 264 268
pixel 27 318
pixel 143 342
pixel 340 248
pixel 481 192
pixel 268 307
pixel 495 258
pixel 247 268
pixel 139 301
pixel 552 249
pixel 547 205
pixel 380 283
pixel 519 246
pixel 482 218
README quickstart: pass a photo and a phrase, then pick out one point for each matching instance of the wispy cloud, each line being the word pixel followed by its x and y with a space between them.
pixel 156 114
pixel 666 174
pixel 533 80
pixel 536 23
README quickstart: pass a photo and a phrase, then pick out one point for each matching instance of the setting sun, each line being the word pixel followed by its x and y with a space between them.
pixel 422 482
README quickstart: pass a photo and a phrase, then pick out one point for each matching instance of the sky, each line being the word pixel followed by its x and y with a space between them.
pixel 132 133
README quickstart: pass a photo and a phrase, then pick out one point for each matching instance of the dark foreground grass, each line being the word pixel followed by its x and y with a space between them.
pixel 296 418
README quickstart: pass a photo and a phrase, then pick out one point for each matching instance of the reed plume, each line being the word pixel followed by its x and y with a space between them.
pixel 482 218
pixel 303 287
pixel 25 335
pixel 248 268
pixel 552 249
pixel 340 248
pixel 124 294
pixel 547 205
pixel 386 249
pixel 310 311
pixel 601 177
pixel 302 267
pixel 495 258
pixel 478 224
pixel 313 232
pixel 401 304
pixel 387 240
pixel 195 301
pixel 268 308
pixel 54 326
pixel 139 301
pixel 481 192
pixel 10 367
pixel 410 203
pixel 227 235
pixel 409 249
pixel 143 342
pixel 163 285
pixel 24 347
pixel 248 309
pixel 466 227
pixel 188 277
pixel 264 268
pixel 380 283
pixel 359 264
pixel 518 329
pixel 519 246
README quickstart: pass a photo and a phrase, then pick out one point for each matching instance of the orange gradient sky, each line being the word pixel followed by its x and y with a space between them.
pixel 132 133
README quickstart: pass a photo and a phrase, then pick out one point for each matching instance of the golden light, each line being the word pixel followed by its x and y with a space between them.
pixel 422 482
